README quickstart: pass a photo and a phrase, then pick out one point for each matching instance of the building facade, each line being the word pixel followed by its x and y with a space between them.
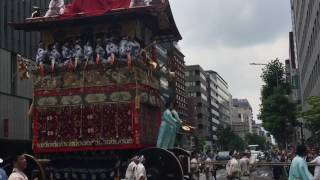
pixel 306 29
pixel 223 98
pixel 196 87
pixel 242 117
pixel 15 94
pixel 213 107
pixel 177 65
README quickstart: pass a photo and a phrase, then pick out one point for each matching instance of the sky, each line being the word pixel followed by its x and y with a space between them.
pixel 226 35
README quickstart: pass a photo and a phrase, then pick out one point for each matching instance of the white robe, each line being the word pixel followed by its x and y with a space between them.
pixel 140 172
pixel 130 173
pixel 17 175
pixel 317 168
pixel 56 7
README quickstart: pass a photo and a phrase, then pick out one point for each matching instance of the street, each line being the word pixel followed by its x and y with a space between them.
pixel 260 174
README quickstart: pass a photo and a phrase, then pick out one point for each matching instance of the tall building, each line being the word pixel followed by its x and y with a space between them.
pixel 306 27
pixel 15 95
pixel 196 87
pixel 177 65
pixel 242 117
pixel 223 98
pixel 213 107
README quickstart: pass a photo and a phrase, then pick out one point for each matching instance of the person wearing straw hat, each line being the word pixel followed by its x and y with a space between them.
pixel 3 174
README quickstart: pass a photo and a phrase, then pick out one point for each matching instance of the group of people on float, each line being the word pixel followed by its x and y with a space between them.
pixel 73 53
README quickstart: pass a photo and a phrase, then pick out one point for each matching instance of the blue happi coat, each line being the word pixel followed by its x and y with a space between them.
pixel 167 131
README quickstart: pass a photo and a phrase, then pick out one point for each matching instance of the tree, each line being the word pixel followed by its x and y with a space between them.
pixel 228 140
pixel 277 112
pixel 261 141
pixel 312 115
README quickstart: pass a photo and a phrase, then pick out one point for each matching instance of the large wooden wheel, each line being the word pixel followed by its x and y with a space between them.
pixel 161 164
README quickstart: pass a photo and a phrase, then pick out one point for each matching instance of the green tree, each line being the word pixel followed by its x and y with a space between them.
pixel 311 116
pixel 277 112
pixel 261 141
pixel 228 140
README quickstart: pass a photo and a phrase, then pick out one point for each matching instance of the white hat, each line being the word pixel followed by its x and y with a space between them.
pixel 1 161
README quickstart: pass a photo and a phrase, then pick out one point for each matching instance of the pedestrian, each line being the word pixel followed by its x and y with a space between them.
pixel 130 172
pixel 244 163
pixel 194 167
pixel 19 165
pixel 317 168
pixel 232 167
pixel 140 173
pixel 208 167
pixel 3 174
pixel 299 168
pixel 276 169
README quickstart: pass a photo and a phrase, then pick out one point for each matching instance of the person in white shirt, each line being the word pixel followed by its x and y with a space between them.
pixel 19 164
pixel 244 163
pixel 130 172
pixel 232 167
pixel 140 173
pixel 317 168
pixel 208 167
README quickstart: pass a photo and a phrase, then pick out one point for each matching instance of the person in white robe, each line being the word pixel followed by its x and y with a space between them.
pixel 19 165
pixel 130 172
pixel 141 173
pixel 56 7
pixel 316 161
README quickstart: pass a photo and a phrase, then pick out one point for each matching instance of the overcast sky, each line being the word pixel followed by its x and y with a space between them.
pixel 226 35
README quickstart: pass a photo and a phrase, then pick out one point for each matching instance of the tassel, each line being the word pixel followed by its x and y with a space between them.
pixel 129 61
pixel 75 63
pixel 137 102
pixel 42 73
pixel 98 59
pixel 112 59
pixel 70 65
pixel 53 62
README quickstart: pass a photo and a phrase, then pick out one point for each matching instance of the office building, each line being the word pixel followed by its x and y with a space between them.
pixel 196 87
pixel 306 28
pixel 213 107
pixel 15 94
pixel 177 65
pixel 223 98
pixel 242 117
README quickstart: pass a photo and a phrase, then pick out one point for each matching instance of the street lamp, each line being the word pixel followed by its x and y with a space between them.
pixel 263 64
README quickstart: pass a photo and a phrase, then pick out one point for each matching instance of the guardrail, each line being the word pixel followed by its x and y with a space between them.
pixel 256 164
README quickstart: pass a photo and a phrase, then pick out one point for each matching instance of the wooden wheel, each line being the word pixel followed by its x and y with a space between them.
pixel 161 164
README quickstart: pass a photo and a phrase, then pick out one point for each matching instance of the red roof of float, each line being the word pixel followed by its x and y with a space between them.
pixel 94 7
pixel 98 11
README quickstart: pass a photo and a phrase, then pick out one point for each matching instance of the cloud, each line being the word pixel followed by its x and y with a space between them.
pixel 226 35
pixel 235 23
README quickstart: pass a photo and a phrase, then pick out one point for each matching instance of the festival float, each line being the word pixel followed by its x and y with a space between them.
pixel 96 87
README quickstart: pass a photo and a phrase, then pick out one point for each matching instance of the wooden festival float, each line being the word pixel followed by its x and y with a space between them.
pixel 96 88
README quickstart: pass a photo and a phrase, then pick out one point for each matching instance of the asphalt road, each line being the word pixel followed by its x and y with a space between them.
pixel 259 174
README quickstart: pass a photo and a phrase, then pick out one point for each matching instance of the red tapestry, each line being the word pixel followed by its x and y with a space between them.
pixel 94 7
pixel 95 125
